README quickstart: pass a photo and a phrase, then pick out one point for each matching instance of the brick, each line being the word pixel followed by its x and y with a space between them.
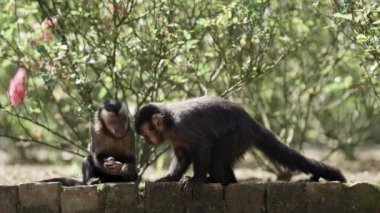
pixel 164 197
pixel 206 198
pixel 325 197
pixel 363 197
pixel 122 197
pixel 8 198
pixel 81 199
pixel 286 197
pixel 168 197
pixel 245 198
pixel 39 197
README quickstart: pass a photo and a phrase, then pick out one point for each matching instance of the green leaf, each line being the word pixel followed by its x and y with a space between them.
pixel 102 93
pixel 343 16
pixel 42 50
pixel 361 38
pixel 186 34
pixel 376 22
pixel 35 110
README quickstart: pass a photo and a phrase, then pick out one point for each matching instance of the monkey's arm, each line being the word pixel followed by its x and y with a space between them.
pixel 201 162
pixel 178 166
pixel 95 148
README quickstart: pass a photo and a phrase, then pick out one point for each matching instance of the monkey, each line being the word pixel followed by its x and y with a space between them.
pixel 213 134
pixel 112 154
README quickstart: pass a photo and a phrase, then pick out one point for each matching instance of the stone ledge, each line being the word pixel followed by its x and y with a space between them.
pixel 168 197
pixel 39 197
pixel 9 198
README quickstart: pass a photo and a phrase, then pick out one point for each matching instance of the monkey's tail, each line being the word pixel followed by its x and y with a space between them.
pixel 64 181
pixel 288 157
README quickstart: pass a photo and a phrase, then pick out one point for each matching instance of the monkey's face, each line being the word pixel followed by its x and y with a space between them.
pixel 116 124
pixel 150 134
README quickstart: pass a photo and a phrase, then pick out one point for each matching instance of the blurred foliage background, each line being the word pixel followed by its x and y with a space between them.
pixel 307 70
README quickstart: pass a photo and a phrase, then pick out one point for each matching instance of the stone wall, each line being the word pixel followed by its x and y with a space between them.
pixel 167 197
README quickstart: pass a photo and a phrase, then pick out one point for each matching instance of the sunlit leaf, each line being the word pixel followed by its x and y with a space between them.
pixel 186 34
pixel 361 38
pixel 376 22
pixel 343 16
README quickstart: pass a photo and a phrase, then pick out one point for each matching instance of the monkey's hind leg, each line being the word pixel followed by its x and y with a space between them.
pixel 220 168
pixel 89 171
pixel 216 170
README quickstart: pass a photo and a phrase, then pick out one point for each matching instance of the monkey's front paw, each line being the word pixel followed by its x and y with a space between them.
pixel 113 167
pixel 184 179
pixel 93 181
pixel 190 183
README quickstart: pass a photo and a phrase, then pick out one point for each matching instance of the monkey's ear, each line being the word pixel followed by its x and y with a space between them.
pixel 158 121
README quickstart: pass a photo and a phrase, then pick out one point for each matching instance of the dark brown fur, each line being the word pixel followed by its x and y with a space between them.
pixel 108 141
pixel 105 144
pixel 213 133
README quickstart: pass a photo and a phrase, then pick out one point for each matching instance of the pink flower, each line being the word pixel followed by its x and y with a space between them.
pixel 16 92
pixel 50 21
pixel 45 36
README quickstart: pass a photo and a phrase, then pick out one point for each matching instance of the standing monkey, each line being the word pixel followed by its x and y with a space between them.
pixel 213 133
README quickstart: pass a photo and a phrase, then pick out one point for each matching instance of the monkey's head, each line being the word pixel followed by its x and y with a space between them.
pixel 152 122
pixel 113 118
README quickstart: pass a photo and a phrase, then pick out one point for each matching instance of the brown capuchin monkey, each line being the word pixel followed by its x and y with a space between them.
pixel 213 133
pixel 112 148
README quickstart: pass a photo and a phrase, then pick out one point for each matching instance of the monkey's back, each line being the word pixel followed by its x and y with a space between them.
pixel 215 121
